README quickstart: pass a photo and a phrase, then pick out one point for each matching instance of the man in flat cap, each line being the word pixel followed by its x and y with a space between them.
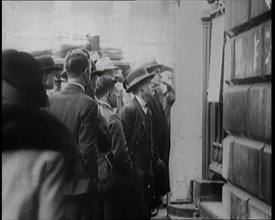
pixel 137 124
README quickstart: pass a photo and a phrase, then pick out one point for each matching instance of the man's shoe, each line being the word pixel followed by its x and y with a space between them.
pixel 154 212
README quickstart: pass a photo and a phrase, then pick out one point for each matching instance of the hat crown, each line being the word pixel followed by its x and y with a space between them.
pixel 104 63
pixel 21 69
pixel 136 74
pixel 22 76
pixel 135 77
pixel 45 62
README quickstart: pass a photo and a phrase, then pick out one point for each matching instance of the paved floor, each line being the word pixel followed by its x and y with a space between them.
pixel 162 214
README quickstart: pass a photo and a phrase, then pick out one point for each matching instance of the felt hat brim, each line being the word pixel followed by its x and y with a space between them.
pixel 138 81
pixel 111 68
pixel 97 72
pixel 48 70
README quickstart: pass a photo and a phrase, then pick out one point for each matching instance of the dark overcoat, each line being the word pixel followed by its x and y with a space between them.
pixel 161 135
pixel 135 128
pixel 79 113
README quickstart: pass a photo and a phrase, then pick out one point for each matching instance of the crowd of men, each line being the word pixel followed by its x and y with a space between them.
pixel 85 141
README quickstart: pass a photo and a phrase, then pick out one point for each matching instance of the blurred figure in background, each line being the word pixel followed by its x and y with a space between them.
pixel 113 178
pixel 167 96
pixel 160 136
pixel 120 90
pixel 79 113
pixel 37 150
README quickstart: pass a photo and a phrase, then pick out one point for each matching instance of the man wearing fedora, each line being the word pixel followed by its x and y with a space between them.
pixel 79 113
pixel 51 74
pixel 137 125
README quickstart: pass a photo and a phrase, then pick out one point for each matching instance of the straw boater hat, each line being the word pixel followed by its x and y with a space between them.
pixel 94 70
pixel 136 77
pixel 105 64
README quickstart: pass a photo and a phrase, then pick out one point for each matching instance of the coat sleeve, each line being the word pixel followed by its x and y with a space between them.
pixel 103 136
pixel 119 145
pixel 88 139
pixel 127 125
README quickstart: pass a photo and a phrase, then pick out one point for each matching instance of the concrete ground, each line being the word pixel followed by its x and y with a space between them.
pixel 162 214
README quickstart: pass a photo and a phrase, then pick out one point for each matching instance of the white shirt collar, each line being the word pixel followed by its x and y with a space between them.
pixel 142 103
pixel 105 103
pixel 78 84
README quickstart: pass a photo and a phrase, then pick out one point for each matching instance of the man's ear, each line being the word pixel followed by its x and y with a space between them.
pixel 108 94
pixel 87 74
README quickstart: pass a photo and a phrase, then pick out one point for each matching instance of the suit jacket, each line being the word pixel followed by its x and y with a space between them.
pixel 79 113
pixel 133 122
pixel 116 180
pixel 119 144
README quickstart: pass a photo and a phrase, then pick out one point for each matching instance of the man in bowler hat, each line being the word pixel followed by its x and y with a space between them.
pixel 137 124
pixel 79 112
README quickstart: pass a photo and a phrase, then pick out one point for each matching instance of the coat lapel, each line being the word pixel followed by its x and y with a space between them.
pixel 141 114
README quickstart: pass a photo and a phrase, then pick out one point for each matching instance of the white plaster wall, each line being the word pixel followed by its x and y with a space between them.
pixel 186 147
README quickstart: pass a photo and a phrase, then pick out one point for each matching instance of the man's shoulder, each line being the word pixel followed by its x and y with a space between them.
pixel 132 104
pixel 78 99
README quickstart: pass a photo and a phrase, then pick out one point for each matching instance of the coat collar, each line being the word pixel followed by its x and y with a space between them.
pixel 105 105
pixel 73 87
